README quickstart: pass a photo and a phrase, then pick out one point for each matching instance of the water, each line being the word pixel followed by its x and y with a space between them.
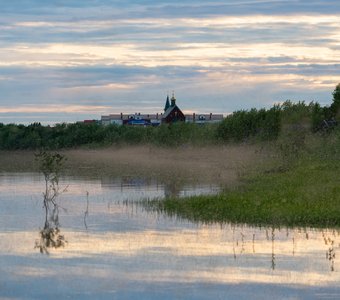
pixel 115 250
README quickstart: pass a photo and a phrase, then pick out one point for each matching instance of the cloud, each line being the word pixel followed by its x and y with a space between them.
pixel 53 109
pixel 119 54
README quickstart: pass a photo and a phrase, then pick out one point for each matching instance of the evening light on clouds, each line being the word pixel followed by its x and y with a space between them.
pixel 63 61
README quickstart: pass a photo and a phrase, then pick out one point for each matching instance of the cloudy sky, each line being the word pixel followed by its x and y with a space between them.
pixel 69 60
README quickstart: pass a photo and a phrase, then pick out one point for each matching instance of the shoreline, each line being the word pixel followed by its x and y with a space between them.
pixel 304 193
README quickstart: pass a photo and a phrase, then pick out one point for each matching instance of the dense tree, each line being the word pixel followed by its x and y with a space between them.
pixel 241 125
pixel 335 106
pixel 262 124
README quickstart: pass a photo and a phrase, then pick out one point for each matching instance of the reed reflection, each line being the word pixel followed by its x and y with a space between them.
pixel 50 236
pixel 273 250
pixel 134 188
pixel 272 235
pixel 330 253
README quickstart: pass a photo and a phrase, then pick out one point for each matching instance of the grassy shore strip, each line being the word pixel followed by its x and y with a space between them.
pixel 307 195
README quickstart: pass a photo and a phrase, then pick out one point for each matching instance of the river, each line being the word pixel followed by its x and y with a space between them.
pixel 110 248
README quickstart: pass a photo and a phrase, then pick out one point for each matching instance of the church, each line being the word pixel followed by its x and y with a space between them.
pixel 172 114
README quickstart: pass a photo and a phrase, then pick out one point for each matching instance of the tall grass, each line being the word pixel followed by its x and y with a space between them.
pixel 300 188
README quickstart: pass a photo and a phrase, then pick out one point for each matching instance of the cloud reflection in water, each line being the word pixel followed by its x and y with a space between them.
pixel 126 254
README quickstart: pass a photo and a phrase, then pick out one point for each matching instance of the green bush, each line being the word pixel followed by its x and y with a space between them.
pixel 289 120
pixel 242 125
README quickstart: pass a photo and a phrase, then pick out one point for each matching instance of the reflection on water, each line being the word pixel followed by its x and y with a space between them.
pixel 330 254
pixel 50 235
pixel 118 251
pixel 135 188
pixel 86 213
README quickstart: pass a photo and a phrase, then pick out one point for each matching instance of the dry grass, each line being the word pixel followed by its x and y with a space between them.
pixel 17 161
pixel 218 164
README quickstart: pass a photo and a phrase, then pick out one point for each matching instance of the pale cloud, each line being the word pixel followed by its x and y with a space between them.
pixel 218 21
pixel 112 53
pixel 188 246
pixel 181 54
pixel 53 109
pixel 240 21
pixel 108 86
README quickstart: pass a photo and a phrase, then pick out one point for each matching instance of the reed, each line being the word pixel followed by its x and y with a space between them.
pixel 300 188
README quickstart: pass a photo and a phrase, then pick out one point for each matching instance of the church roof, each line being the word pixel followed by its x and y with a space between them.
pixel 169 110
pixel 167 103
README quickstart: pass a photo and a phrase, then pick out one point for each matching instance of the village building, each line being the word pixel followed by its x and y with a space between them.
pixel 172 114
pixel 135 119
pixel 203 118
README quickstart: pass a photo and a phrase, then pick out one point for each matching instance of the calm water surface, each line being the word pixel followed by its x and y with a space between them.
pixel 115 250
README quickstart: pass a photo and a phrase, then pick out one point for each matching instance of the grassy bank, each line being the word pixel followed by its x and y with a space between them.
pixel 302 188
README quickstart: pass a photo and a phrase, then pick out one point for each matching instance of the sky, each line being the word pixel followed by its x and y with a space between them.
pixel 70 60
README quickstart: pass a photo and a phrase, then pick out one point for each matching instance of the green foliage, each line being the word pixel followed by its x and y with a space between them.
pixel 50 164
pixel 242 125
pixel 335 106
pixel 331 113
pixel 181 133
pixel 63 135
pixel 318 115
pixel 306 194
pixel 299 112
pixel 296 125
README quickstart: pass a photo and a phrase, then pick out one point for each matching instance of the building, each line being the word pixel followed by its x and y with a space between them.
pixel 172 114
pixel 203 118
pixel 136 119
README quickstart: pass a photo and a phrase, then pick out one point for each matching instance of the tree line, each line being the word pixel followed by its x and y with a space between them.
pixel 243 125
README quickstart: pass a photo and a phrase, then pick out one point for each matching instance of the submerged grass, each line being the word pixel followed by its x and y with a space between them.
pixel 303 192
